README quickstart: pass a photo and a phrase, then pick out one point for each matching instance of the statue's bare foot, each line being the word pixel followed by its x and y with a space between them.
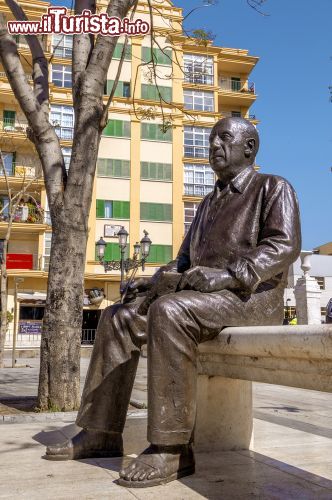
pixel 87 444
pixel 158 465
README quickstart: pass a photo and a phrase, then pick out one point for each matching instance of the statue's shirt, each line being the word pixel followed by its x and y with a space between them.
pixel 251 228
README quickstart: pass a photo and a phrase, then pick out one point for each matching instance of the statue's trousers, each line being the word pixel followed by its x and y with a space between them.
pixel 173 328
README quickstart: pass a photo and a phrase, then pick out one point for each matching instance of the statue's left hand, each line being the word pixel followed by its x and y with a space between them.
pixel 206 279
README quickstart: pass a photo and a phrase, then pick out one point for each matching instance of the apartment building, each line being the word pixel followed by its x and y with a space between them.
pixel 152 169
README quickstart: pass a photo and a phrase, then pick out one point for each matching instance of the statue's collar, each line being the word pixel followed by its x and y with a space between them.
pixel 241 181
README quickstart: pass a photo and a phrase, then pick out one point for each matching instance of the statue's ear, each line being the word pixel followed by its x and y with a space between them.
pixel 250 147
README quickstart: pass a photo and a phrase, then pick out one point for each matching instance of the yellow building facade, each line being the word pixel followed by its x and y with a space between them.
pixel 152 169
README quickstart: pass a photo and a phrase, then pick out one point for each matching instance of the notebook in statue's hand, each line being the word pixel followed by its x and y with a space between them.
pixel 167 283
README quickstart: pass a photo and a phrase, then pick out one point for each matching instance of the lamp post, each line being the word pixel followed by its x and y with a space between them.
pixel 16 282
pixel 141 253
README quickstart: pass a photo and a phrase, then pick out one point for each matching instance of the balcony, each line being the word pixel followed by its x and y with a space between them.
pixel 242 86
pixel 13 125
pixel 4 76
pixel 233 92
pixel 196 151
pixel 25 214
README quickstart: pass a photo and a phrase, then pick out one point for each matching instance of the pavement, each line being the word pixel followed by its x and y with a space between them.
pixel 291 456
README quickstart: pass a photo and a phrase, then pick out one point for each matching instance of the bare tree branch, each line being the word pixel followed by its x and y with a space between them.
pixel 39 61
pixel 256 5
pixel 82 46
pixel 117 77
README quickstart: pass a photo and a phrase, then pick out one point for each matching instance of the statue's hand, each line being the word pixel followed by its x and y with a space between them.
pixel 206 279
pixel 135 287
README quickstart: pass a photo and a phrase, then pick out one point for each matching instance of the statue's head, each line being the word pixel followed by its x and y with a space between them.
pixel 234 144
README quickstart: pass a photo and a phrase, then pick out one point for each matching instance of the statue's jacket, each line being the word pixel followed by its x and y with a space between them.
pixel 251 228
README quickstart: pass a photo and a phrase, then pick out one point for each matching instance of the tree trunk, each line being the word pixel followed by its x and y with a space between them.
pixel 59 378
pixel 62 325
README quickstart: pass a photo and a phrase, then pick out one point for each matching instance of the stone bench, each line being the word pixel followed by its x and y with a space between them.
pixel 295 356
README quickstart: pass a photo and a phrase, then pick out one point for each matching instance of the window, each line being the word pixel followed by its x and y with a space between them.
pixel 321 282
pixel 61 75
pixel 198 69
pixel 118 52
pixel 9 118
pixel 202 101
pixel 151 92
pixel 190 210
pixel 235 84
pixel 156 212
pixel 236 113
pixel 122 88
pixel 47 250
pixel 156 171
pixel 108 167
pixel 108 209
pixel 31 312
pixel 117 128
pixel 196 142
pixel 162 57
pixel 4 207
pixel 289 312
pixel 154 132
pixel 198 179
pixel 62 117
pixel 63 46
pixel 160 254
pixel 9 163
pixel 66 152
pixel 323 311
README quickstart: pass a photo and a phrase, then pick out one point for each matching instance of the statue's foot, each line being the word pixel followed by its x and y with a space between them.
pixel 158 465
pixel 87 444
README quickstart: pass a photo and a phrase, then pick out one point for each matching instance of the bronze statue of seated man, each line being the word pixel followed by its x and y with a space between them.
pixel 233 264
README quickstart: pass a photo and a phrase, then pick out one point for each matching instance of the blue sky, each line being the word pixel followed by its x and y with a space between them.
pixel 294 44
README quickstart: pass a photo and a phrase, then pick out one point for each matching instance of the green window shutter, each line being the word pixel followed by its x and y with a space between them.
pixel 117 128
pixel 121 209
pixel 112 251
pixel 100 209
pixel 118 51
pixel 160 254
pixel 108 167
pixel 9 118
pixel 101 166
pixel 146 54
pixel 156 211
pixel 158 171
pixel 153 132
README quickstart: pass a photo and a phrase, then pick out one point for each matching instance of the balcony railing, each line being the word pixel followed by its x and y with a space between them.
pixel 3 75
pixel 196 151
pixel 242 86
pixel 25 214
pixel 12 125
pixel 227 114
pixel 197 189
pixel 88 336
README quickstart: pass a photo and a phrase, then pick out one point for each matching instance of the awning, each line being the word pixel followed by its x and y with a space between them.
pixel 31 297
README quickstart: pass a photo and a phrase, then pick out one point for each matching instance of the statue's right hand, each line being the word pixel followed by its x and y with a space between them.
pixel 135 287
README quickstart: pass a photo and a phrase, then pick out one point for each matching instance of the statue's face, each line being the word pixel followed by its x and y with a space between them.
pixel 228 144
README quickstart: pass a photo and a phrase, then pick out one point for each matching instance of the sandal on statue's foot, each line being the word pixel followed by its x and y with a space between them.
pixel 158 465
pixel 87 444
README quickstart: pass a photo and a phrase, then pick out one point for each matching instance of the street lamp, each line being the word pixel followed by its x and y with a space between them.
pixel 141 253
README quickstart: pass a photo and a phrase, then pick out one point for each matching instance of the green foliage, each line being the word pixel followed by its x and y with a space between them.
pixel 10 317
pixel 202 36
